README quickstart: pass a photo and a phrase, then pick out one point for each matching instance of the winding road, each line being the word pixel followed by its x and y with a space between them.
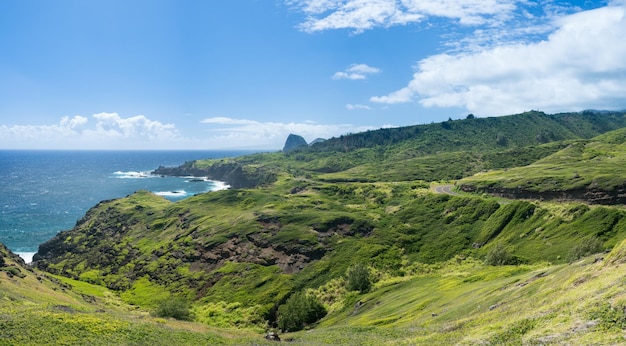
pixel 446 190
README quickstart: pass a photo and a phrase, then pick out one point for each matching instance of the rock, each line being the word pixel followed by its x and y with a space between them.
pixel 293 142
pixel 272 336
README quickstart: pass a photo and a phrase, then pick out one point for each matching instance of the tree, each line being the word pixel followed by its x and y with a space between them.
pixel 358 277
pixel 298 311
pixel 177 308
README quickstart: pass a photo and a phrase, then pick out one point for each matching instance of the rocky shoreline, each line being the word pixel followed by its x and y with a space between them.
pixel 234 174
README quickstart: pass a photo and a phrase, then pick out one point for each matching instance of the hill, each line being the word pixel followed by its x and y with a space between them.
pixel 260 257
pixel 443 151
pixel 586 170
pixel 39 308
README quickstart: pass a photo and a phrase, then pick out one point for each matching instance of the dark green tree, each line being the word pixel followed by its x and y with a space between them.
pixel 300 310
pixel 358 277
pixel 176 308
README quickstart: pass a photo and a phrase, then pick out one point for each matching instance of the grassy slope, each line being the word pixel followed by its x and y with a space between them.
pixel 403 225
pixel 467 303
pixel 238 254
pixel 39 309
pixel 591 164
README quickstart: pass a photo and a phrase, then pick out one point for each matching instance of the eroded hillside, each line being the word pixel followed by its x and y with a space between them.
pixel 238 257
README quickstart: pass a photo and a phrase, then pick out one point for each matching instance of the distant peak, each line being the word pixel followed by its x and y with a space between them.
pixel 293 142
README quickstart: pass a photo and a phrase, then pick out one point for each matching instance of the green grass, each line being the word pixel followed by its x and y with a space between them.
pixel 40 309
pixel 466 303
pixel 592 164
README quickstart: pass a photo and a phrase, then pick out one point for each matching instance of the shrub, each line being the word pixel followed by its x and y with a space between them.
pixel 300 310
pixel 358 278
pixel 177 308
pixel 585 248
pixel 498 256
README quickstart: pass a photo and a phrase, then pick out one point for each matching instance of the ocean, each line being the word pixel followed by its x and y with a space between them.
pixel 44 192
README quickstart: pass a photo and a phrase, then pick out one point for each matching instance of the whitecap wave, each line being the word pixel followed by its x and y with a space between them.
pixel 26 256
pixel 133 175
pixel 216 185
pixel 177 193
pixel 219 185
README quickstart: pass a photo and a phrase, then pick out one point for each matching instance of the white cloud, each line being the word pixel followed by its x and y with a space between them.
pixel 110 132
pixel 361 15
pixel 356 72
pixel 112 125
pixel 228 121
pixel 582 64
pixel 467 12
pixel 75 122
pixel 242 132
pixel 351 107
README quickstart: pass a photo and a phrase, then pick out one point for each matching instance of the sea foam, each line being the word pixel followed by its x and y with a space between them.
pixel 133 175
pixel 219 185
pixel 26 256
pixel 177 193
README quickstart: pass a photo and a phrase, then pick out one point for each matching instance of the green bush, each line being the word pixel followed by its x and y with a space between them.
pixel 300 310
pixel 585 248
pixel 177 308
pixel 498 256
pixel 358 277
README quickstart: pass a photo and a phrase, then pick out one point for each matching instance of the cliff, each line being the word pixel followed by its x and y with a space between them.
pixel 591 196
pixel 232 173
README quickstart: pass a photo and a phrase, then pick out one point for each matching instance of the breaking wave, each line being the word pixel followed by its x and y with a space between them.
pixel 133 175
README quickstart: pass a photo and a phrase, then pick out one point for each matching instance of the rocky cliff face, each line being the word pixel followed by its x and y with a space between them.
pixel 293 142
pixel 591 196
pixel 233 173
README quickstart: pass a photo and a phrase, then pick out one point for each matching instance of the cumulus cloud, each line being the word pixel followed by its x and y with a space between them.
pixel 356 71
pixel 361 15
pixel 113 125
pixel 74 122
pixel 110 131
pixel 272 134
pixel 67 127
pixel 582 64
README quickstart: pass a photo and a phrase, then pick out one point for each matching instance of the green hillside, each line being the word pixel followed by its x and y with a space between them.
pixel 589 170
pixel 443 151
pixel 349 240
pixel 38 308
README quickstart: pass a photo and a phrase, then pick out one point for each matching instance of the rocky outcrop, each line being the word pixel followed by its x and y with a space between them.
pixel 232 173
pixel 591 196
pixel 294 142
pixel 317 140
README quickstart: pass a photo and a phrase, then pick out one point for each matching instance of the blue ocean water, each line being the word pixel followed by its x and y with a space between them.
pixel 44 192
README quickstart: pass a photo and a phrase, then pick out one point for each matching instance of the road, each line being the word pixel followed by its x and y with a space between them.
pixel 446 190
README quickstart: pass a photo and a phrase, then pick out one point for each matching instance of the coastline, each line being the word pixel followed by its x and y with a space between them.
pixel 34 207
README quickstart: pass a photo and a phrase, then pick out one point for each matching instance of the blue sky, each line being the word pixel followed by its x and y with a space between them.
pixel 244 74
